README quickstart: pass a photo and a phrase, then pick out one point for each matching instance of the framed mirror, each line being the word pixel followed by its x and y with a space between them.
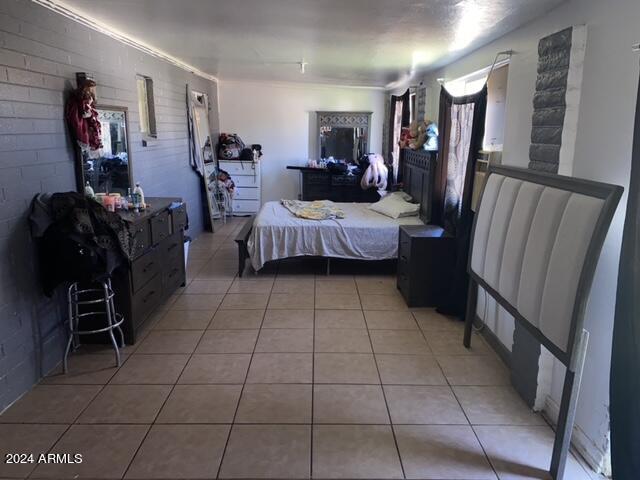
pixel 343 135
pixel 110 170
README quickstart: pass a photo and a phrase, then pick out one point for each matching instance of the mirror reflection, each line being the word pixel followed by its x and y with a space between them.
pixel 343 143
pixel 108 172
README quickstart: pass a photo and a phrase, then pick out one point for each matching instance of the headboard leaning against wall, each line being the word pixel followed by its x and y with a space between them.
pixel 418 168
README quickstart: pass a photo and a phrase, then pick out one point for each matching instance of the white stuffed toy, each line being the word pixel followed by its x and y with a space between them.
pixel 375 175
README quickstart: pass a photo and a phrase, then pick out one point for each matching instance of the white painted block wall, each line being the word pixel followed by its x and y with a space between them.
pixel 603 153
pixel 281 117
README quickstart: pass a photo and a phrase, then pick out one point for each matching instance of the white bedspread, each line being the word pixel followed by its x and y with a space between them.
pixel 362 235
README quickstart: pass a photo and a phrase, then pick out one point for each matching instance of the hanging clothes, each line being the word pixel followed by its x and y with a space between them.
pixel 625 352
pixel 461 132
pixel 83 121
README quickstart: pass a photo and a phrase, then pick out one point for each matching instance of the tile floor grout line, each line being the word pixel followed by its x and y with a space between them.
pixel 313 377
pixel 384 395
pixel 77 417
pixel 486 456
pixel 173 387
pixel 169 394
pixel 246 376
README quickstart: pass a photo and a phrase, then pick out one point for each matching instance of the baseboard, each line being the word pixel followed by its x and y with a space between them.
pixel 495 343
pixel 595 457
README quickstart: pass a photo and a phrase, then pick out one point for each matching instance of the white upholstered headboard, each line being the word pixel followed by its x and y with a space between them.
pixel 536 241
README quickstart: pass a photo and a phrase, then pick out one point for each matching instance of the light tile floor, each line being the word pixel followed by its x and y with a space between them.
pixel 285 374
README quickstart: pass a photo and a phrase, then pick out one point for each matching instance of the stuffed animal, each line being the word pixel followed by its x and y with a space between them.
pixel 431 142
pixel 405 137
pixel 417 142
pixel 375 175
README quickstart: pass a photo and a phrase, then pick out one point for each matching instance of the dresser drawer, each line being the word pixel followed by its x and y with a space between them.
pixel 246 194
pixel 144 268
pixel 245 206
pixel 404 248
pixel 347 180
pixel 238 168
pixel 146 299
pixel 171 247
pixel 172 274
pixel 179 218
pixel 141 237
pixel 252 181
pixel 313 178
pixel 160 227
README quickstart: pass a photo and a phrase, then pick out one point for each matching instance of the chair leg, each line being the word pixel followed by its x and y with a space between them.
pixel 111 319
pixel 70 307
pixel 114 316
pixel 472 301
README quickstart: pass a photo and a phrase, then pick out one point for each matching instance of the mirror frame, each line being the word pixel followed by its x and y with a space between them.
pixel 342 119
pixel 80 180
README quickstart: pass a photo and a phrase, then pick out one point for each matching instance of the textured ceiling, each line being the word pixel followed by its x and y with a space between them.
pixel 351 42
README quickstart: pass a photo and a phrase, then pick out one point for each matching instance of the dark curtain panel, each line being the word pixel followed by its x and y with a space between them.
pixel 625 355
pixel 397 102
pixel 461 124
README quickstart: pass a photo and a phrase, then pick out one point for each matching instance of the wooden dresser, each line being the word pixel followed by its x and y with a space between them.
pixel 157 269
pixel 321 184
pixel 246 177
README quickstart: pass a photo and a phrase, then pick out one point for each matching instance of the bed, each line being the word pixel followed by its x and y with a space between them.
pixel 275 233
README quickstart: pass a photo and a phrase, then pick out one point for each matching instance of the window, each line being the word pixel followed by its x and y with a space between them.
pixel 412 108
pixel 496 100
pixel 146 107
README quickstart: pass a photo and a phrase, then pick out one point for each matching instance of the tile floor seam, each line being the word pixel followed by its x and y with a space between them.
pixel 475 434
pixel 313 378
pixel 161 406
pixel 384 395
pixel 246 376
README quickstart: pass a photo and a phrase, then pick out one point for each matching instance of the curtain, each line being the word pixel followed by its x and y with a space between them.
pixel 399 116
pixel 461 126
pixel 625 355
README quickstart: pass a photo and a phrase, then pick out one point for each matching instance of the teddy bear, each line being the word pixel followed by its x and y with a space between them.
pixel 421 137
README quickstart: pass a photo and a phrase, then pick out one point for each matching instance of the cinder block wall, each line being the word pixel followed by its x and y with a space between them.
pixel 40 52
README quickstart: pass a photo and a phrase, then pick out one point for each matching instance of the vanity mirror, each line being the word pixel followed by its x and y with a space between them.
pixel 343 135
pixel 108 169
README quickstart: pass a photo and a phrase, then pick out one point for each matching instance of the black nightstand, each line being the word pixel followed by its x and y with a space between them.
pixel 426 257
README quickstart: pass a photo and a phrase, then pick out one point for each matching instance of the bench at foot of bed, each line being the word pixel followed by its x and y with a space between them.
pixel 242 240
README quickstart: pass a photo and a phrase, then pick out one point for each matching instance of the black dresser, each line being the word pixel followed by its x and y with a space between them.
pixel 426 257
pixel 321 184
pixel 157 269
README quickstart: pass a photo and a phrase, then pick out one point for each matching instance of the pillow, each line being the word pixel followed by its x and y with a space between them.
pixel 395 205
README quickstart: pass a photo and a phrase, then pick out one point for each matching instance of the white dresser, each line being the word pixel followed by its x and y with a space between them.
pixel 246 176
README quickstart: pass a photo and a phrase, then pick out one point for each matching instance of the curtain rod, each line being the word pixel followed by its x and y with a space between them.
pixel 507 53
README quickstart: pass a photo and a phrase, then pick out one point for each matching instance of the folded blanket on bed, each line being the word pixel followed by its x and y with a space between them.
pixel 316 210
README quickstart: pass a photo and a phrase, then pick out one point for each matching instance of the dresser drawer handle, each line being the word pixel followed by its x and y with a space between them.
pixel 403 258
pixel 148 296
pixel 173 272
pixel 172 247
pixel 148 266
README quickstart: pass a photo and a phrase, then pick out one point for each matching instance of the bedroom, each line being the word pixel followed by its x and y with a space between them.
pixel 315 367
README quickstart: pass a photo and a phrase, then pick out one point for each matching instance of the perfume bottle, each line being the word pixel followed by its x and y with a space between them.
pixel 139 196
pixel 88 190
